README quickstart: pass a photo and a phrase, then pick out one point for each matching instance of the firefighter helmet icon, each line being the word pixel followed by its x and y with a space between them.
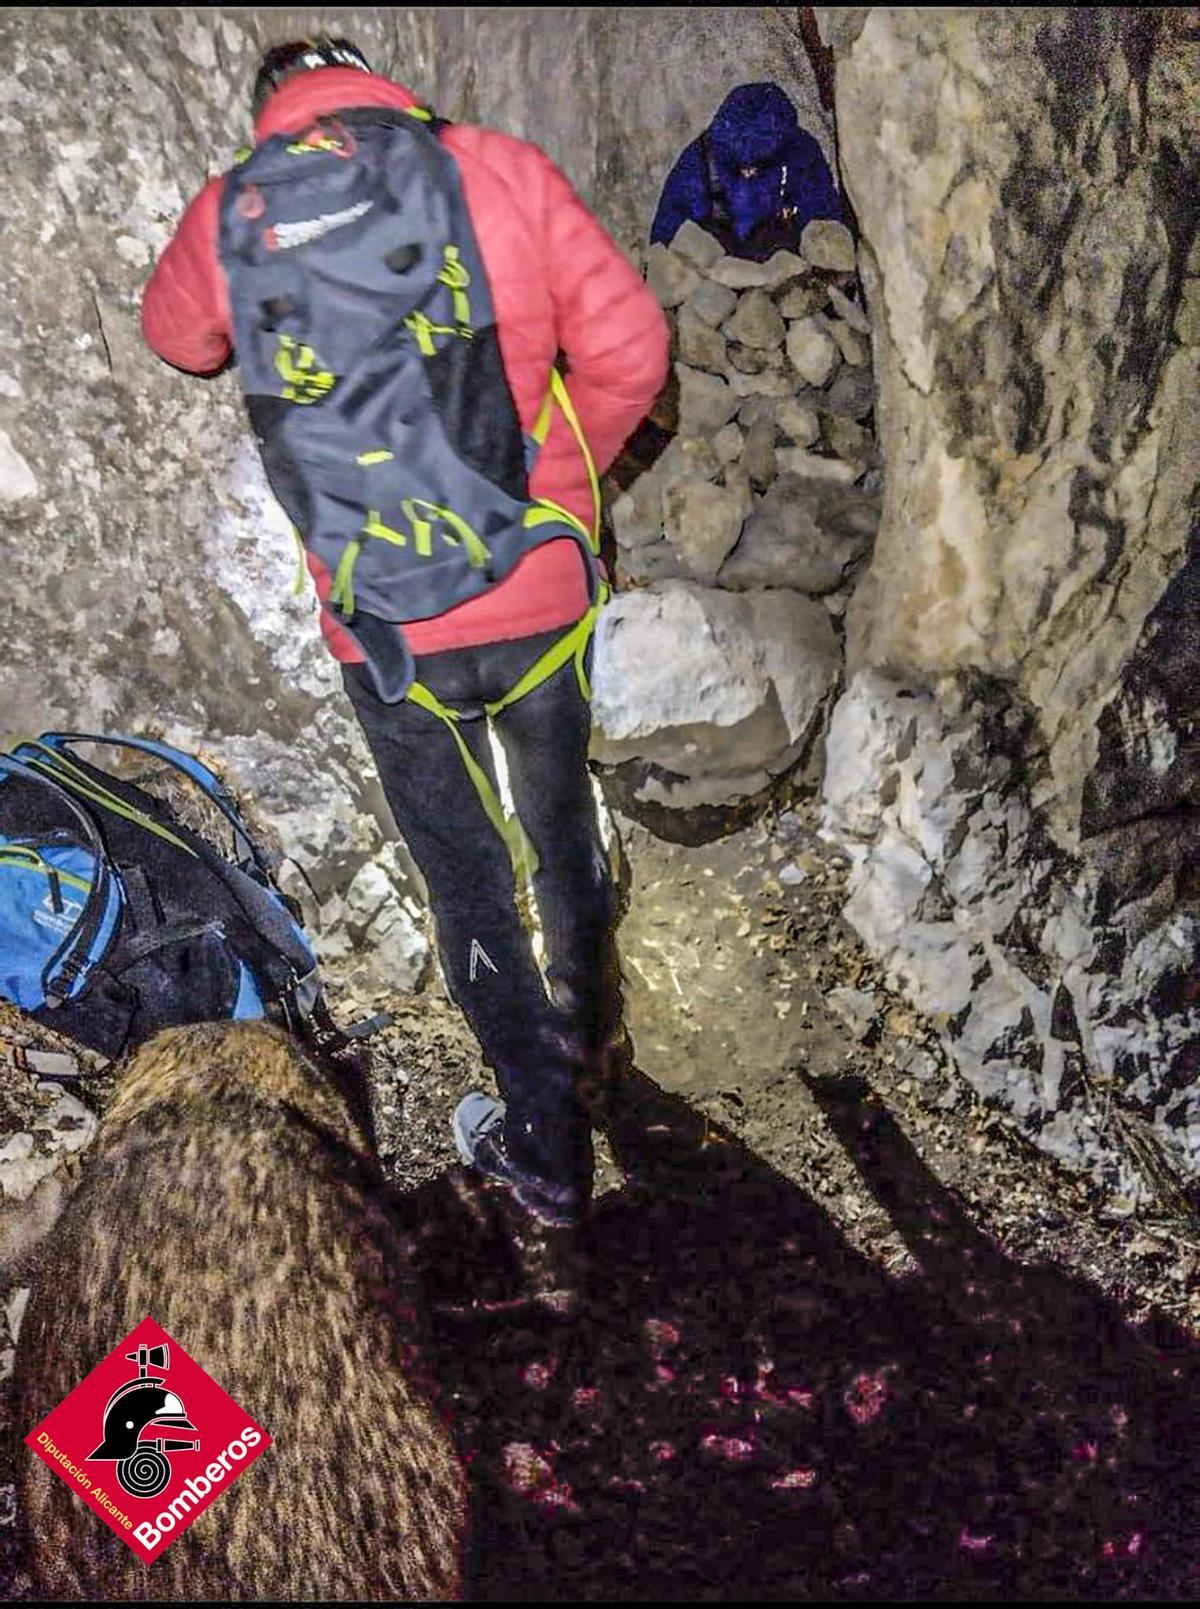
pixel 143 1468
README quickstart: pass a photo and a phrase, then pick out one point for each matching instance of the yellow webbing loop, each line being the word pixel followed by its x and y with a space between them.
pixel 341 593
pixel 561 395
pixel 520 850
pixel 456 278
pixel 571 645
pixel 541 429
pixel 545 510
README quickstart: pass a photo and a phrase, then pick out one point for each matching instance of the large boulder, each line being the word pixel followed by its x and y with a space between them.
pixel 722 690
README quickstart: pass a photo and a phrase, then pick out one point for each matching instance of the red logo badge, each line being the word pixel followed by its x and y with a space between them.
pixel 148 1440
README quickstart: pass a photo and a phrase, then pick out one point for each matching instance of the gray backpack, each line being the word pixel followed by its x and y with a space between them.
pixel 366 340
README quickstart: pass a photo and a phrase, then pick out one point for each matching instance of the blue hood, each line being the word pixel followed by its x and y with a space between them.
pixel 754 128
pixel 757 127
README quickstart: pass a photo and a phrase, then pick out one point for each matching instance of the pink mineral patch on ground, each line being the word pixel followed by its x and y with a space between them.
pixel 586 1397
pixel 734 1448
pixel 974 1544
pixel 662 1452
pixel 661 1333
pixel 537 1375
pixel 526 1471
pixel 796 1480
pixel 620 1483
pixel 560 1498
pixel 1129 1548
pixel 866 1398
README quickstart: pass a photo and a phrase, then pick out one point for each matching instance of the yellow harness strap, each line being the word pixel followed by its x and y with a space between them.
pixel 571 645
pixel 520 849
pixel 558 393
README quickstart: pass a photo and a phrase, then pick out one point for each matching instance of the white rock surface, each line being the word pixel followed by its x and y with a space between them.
pixel 669 277
pixel 812 350
pixel 696 246
pixel 710 684
pixel 702 521
pixel 826 243
pixel 1010 762
pixel 17 480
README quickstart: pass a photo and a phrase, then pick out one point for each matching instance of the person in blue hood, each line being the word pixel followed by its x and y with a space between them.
pixel 753 179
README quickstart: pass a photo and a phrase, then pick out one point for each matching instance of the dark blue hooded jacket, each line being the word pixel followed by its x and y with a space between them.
pixel 752 214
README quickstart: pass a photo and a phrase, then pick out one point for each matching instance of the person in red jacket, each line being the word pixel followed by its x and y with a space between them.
pixel 562 291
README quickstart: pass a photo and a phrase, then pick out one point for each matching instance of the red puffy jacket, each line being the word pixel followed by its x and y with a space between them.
pixel 558 283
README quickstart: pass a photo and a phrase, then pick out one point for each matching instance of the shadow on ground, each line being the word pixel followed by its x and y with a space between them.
pixel 750 1409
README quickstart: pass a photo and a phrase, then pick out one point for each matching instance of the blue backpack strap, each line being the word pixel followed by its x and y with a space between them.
pixel 65 965
pixel 196 770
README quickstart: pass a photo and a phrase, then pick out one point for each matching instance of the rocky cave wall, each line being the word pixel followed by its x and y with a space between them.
pixel 148 571
pixel 1013 765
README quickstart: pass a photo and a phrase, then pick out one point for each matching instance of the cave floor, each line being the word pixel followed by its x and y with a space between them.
pixel 848 1336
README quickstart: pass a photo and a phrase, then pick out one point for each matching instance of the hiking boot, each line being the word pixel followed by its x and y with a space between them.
pixel 478 1126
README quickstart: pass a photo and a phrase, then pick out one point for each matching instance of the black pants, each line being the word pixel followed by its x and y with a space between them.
pixel 535 1042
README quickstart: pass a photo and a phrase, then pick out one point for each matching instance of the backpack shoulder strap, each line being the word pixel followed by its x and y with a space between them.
pixel 191 767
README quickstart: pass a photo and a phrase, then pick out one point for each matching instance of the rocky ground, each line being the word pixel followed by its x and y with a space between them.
pixel 849 1337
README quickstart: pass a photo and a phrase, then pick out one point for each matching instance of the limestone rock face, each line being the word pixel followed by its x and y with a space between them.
pixel 718 688
pixel 1013 764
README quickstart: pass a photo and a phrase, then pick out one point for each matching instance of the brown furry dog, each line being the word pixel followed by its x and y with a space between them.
pixel 230 1195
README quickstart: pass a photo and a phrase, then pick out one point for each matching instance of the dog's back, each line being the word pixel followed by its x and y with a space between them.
pixel 229 1196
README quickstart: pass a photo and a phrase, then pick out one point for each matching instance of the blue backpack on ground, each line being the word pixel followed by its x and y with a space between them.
pixel 117 920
